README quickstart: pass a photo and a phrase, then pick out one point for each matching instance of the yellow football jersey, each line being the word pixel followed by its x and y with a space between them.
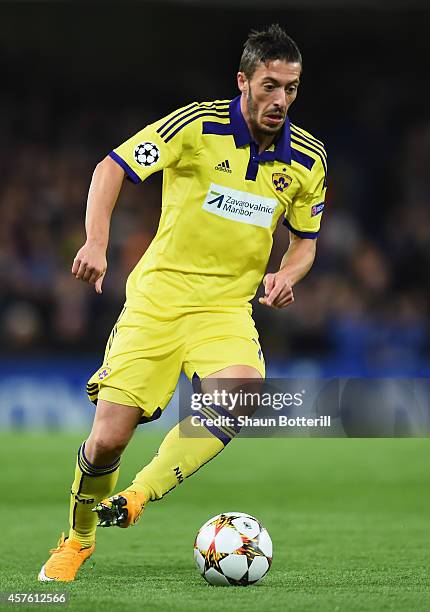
pixel 220 205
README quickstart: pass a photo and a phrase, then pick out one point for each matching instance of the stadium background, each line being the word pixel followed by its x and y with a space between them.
pixel 349 518
pixel 79 79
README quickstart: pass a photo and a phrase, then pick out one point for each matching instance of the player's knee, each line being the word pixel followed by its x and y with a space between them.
pixel 102 449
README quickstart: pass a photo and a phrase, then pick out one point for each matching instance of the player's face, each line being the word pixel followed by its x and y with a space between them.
pixel 269 94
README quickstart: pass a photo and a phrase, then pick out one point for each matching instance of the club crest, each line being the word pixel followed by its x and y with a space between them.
pixel 280 181
pixel 103 373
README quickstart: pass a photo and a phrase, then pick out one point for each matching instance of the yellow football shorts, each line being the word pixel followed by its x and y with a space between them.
pixel 145 355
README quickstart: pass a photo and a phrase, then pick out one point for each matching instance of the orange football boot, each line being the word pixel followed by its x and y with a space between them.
pixel 65 560
pixel 120 510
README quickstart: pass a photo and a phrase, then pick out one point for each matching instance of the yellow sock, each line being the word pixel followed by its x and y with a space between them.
pixel 92 484
pixel 180 455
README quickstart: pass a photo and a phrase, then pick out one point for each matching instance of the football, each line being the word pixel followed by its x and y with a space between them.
pixel 233 548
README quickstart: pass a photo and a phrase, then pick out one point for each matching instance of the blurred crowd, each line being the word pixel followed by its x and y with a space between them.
pixel 364 304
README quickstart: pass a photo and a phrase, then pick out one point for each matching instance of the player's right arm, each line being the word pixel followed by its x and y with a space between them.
pixel 90 263
pixel 169 141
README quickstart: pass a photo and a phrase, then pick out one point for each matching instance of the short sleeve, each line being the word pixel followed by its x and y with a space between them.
pixel 147 151
pixel 303 216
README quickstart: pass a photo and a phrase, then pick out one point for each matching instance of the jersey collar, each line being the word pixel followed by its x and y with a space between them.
pixel 242 135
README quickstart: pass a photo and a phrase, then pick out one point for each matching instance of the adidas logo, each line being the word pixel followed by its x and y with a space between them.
pixel 224 166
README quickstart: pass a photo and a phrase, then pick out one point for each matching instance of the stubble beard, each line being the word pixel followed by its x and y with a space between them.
pixel 257 128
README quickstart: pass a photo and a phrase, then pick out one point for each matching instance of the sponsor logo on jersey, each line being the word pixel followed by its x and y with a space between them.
pixel 146 153
pixel 281 181
pixel 224 166
pixel 239 206
pixel 317 209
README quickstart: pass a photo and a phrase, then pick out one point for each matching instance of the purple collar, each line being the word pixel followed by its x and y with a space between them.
pixel 243 137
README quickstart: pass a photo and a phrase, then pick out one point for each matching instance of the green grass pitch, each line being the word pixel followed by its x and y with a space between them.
pixel 349 518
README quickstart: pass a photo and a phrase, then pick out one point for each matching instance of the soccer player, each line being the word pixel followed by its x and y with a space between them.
pixel 231 170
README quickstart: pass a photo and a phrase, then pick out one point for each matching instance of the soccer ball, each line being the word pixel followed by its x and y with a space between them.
pixel 146 154
pixel 233 548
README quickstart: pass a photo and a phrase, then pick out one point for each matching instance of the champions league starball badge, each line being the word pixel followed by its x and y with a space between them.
pixel 147 154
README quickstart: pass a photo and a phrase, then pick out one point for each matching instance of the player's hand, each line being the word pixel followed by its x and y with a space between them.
pixel 90 265
pixel 278 290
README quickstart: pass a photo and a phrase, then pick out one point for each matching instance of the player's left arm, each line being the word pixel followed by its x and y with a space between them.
pixel 303 219
pixel 295 264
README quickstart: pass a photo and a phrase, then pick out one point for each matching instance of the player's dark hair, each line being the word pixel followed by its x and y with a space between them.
pixel 271 44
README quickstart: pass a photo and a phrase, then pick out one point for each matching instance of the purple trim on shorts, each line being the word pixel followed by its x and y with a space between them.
pixel 155 415
pixel 196 383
